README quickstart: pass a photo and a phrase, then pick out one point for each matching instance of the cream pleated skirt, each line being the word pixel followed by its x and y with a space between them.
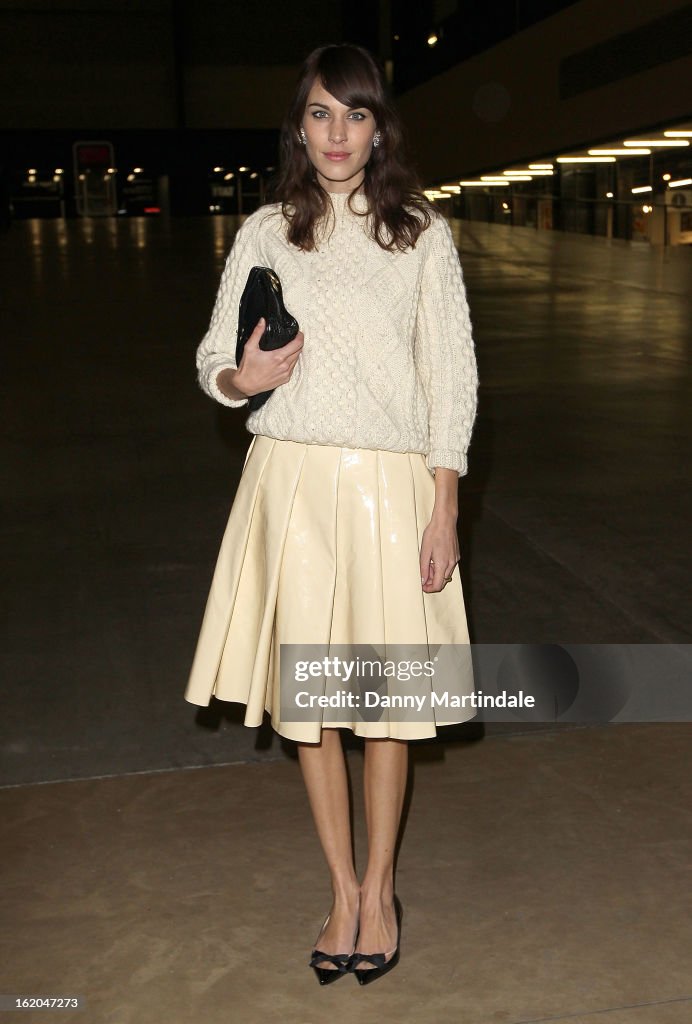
pixel 322 546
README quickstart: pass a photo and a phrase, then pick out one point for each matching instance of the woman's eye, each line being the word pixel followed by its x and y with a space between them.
pixel 356 115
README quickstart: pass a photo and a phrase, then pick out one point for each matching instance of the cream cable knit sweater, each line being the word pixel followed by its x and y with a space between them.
pixel 388 359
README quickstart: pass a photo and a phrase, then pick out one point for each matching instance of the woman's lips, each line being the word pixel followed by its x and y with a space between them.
pixel 337 156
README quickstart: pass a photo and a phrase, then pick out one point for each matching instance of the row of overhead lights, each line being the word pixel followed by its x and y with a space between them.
pixel 630 147
pixel 32 172
pixel 112 171
pixel 228 175
pixel 59 171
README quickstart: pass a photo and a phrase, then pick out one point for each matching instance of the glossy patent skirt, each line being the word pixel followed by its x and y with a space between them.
pixel 322 546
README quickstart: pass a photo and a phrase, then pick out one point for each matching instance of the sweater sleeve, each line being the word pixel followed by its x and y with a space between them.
pixel 445 353
pixel 216 351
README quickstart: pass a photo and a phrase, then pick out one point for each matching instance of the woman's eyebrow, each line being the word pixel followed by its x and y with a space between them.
pixel 327 107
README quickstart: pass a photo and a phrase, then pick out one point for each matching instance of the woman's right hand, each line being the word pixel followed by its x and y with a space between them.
pixel 261 370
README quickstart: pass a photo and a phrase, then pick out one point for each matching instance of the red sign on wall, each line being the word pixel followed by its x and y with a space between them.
pixel 93 154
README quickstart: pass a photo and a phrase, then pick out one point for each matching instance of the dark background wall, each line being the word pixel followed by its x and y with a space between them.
pixel 154 63
pixel 75 63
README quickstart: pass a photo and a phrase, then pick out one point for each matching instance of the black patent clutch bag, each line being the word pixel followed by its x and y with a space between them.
pixel 262 296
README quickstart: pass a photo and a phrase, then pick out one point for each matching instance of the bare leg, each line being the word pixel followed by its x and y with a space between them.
pixel 323 766
pixel 385 773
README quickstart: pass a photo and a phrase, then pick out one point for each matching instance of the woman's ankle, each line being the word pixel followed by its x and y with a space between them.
pixel 379 890
pixel 346 891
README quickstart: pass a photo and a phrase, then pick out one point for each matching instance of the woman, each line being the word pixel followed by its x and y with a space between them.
pixel 350 481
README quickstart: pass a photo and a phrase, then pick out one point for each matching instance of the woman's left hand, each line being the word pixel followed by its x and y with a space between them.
pixel 441 544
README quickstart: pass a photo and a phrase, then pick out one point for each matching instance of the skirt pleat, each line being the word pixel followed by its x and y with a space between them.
pixel 322 547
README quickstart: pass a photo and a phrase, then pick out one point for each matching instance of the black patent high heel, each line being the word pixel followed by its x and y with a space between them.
pixel 366 975
pixel 341 961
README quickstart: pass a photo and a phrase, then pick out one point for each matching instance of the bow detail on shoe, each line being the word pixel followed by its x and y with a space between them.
pixel 378 959
pixel 340 960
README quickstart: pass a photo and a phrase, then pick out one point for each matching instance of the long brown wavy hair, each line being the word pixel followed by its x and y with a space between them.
pixel 399 209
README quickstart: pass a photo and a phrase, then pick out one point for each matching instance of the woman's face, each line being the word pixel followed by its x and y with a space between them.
pixel 339 139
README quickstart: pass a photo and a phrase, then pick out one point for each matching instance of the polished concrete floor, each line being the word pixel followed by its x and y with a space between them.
pixel 161 861
pixel 542 877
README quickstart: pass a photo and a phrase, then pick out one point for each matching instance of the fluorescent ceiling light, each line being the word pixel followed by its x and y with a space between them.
pixel 656 142
pixel 586 159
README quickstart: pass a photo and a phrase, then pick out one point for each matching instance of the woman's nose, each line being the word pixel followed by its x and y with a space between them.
pixel 338 132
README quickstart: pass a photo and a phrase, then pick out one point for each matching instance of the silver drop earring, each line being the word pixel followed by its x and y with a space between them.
pixel 303 137
pixel 376 139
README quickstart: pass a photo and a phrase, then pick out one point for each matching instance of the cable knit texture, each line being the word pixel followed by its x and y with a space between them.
pixel 388 360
